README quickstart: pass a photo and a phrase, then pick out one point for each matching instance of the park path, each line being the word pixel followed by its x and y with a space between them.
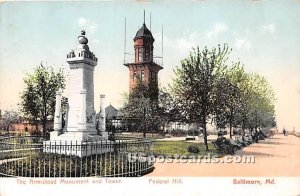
pixel 276 156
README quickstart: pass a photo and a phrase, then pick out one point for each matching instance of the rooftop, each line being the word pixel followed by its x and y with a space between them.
pixel 143 32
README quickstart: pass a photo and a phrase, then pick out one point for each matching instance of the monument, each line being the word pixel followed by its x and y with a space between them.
pixel 81 125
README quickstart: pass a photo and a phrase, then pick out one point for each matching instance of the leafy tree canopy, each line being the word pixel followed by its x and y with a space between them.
pixel 38 97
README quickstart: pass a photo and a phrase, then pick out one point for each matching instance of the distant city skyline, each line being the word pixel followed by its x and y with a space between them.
pixel 263 35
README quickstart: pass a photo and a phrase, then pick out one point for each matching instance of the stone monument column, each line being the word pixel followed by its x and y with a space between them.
pixel 82 63
pixel 102 124
pixel 57 113
pixel 82 112
pixel 57 124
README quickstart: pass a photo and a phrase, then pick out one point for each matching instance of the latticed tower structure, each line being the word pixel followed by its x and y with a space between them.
pixel 143 68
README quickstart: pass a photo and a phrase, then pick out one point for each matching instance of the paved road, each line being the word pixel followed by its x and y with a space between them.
pixel 277 156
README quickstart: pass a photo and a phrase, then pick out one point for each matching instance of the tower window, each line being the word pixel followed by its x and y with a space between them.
pixel 154 76
pixel 151 54
pixel 134 75
pixel 147 55
pixel 142 75
pixel 140 54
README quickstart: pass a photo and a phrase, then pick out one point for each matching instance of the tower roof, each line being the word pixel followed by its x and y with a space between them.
pixel 111 112
pixel 143 32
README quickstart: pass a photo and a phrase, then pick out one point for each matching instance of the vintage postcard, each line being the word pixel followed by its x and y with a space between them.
pixel 150 97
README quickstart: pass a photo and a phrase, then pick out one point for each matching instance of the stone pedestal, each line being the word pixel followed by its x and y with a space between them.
pixel 81 117
pixel 76 148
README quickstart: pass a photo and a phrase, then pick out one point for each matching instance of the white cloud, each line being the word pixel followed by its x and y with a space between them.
pixel 242 44
pixel 216 30
pixel 243 40
pixel 186 44
pixel 89 25
pixel 270 29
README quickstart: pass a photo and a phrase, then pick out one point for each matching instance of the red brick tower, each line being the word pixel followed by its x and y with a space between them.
pixel 143 67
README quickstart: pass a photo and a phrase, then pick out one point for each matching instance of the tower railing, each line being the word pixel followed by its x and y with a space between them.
pixel 156 60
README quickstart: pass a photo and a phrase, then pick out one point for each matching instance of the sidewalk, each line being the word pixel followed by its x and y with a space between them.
pixel 277 156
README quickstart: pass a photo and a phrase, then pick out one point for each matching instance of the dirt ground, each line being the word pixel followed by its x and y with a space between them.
pixel 277 156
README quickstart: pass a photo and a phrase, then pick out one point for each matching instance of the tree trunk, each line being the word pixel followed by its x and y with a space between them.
pixel 230 129
pixel 243 127
pixel 230 124
pixel 44 126
pixel 36 122
pixel 205 132
pixel 7 129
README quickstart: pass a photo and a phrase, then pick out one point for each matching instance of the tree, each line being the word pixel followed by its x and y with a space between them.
pixel 9 117
pixel 224 106
pixel 195 82
pixel 228 94
pixel 38 97
pixel 254 106
pixel 143 110
pixel 169 110
pixel 261 103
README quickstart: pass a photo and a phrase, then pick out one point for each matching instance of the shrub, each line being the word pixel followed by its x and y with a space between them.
pixel 193 132
pixel 178 132
pixel 193 149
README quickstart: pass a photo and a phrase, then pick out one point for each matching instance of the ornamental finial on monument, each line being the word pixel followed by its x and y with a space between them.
pixel 82 39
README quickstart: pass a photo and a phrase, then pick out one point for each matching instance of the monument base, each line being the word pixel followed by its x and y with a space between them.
pixel 77 148
pixel 104 134
pixel 78 143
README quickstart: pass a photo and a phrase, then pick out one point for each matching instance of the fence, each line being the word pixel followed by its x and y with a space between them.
pixel 27 157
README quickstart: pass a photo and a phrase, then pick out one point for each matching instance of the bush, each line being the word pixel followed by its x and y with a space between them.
pixel 178 132
pixel 194 149
pixel 193 132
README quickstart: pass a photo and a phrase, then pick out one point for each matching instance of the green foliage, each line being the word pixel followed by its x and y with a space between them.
pixel 193 148
pixel 145 110
pixel 9 117
pixel 178 132
pixel 260 102
pixel 38 97
pixel 193 132
pixel 228 96
pixel 195 83
pixel 205 87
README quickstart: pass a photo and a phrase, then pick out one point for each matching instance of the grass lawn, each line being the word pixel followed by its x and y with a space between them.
pixel 171 148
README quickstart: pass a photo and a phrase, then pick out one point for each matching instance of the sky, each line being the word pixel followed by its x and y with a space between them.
pixel 263 35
